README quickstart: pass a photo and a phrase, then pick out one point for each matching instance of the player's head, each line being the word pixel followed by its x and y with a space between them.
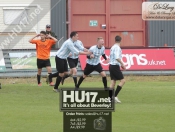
pixel 43 35
pixel 118 39
pixel 74 36
pixel 48 27
pixel 100 42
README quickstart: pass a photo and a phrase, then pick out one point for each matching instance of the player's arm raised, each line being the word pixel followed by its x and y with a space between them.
pixel 30 41
pixel 49 36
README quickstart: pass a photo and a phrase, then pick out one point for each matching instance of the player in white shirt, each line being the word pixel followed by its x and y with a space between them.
pixel 93 62
pixel 61 56
pixel 73 62
pixel 114 68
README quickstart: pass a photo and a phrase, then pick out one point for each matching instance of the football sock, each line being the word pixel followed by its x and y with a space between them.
pixel 104 82
pixel 58 80
pixel 117 90
pixel 110 93
pixel 50 77
pixel 54 75
pixel 38 78
pixel 80 81
pixel 75 80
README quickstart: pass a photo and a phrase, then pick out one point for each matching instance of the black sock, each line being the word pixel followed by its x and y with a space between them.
pixel 111 93
pixel 38 78
pixel 104 82
pixel 75 80
pixel 117 90
pixel 54 75
pixel 50 77
pixel 80 81
pixel 58 80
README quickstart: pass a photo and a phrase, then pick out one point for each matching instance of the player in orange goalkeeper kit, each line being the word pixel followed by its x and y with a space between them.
pixel 43 47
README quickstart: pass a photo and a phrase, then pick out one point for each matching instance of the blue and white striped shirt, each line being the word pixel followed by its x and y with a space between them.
pixel 66 48
pixel 97 54
pixel 115 53
pixel 79 46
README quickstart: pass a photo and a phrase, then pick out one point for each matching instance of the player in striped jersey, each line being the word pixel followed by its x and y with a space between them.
pixel 93 62
pixel 61 56
pixel 114 68
pixel 73 61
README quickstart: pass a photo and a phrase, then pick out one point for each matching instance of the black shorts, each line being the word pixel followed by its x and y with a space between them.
pixel 72 62
pixel 43 63
pixel 90 68
pixel 61 65
pixel 115 72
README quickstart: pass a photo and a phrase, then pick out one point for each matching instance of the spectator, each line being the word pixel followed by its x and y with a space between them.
pixel 49 32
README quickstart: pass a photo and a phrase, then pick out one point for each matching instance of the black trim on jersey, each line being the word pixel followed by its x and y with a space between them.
pixel 104 56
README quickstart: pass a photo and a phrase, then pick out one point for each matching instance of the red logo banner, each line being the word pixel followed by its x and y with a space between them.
pixel 141 59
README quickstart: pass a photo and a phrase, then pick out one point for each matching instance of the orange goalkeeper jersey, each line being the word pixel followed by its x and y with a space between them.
pixel 43 48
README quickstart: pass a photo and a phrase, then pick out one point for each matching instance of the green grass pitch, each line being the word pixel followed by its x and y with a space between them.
pixel 148 105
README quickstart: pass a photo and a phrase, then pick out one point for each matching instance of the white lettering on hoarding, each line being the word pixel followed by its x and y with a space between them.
pixel 152 62
pixel 137 59
pixel 140 59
